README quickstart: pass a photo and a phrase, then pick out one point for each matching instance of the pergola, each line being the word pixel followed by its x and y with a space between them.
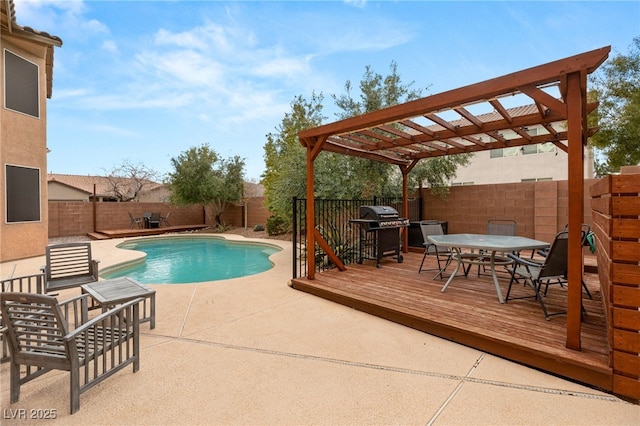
pixel 456 122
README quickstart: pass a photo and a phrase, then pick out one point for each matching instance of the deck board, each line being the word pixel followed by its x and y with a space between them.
pixel 137 232
pixel 469 313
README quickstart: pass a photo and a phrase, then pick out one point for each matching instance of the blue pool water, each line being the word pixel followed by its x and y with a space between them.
pixel 187 260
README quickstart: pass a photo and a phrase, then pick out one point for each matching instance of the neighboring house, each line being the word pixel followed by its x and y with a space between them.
pixel 531 163
pixel 253 190
pixel 81 188
pixel 155 193
pixel 62 187
pixel 27 76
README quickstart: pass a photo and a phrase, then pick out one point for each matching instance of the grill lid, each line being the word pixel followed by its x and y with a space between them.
pixel 378 212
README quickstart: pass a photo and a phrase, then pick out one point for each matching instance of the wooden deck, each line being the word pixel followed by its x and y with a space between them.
pixel 469 313
pixel 137 232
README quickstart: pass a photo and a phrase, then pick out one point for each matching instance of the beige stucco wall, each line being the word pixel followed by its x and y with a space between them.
pixel 61 192
pixel 157 195
pixel 484 170
pixel 23 143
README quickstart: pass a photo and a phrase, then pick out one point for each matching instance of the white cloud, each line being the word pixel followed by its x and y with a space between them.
pixel 283 67
pixel 204 38
pixel 109 46
pixel 182 67
pixel 357 3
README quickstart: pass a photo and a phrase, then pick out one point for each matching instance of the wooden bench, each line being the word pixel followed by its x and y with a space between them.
pixel 69 265
pixel 45 335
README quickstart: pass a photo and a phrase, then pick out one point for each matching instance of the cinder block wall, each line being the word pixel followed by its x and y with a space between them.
pixel 116 215
pixel 539 208
pixel 70 218
pixel 257 212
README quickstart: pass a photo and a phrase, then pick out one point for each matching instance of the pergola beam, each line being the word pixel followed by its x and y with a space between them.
pixel 540 75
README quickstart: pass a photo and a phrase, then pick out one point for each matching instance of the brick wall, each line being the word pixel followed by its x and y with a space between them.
pixel 70 218
pixel 257 212
pixel 539 208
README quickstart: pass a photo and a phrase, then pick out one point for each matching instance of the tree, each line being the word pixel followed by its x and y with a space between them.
pixel 617 88
pixel 128 180
pixel 200 176
pixel 437 172
pixel 285 161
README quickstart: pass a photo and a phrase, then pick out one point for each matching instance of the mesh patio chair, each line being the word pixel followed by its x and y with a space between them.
pixel 165 219
pixel 553 269
pixel 499 227
pixel 136 221
pixel 443 256
pixel 502 227
pixel 154 220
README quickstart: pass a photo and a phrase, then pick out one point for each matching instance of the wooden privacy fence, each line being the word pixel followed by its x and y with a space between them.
pixel 615 206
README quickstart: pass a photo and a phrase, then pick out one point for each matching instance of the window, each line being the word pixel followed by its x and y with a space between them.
pixel 504 152
pixel 524 150
pixel 543 179
pixel 546 147
pixel 22 194
pixel 21 85
pixel 495 153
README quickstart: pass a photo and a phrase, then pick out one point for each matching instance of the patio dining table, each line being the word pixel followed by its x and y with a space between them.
pixel 488 244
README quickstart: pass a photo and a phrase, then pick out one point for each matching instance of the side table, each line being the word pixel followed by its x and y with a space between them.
pixel 112 292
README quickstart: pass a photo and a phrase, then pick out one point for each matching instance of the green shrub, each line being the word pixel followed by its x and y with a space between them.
pixel 276 225
pixel 259 227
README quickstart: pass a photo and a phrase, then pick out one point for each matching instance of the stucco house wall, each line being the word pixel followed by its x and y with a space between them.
pixel 519 165
pixel 24 136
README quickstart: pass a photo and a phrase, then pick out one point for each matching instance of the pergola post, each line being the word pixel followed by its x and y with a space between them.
pixel 405 200
pixel 575 99
pixel 405 208
pixel 313 235
pixel 311 241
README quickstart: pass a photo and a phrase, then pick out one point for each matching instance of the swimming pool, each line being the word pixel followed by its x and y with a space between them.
pixel 181 260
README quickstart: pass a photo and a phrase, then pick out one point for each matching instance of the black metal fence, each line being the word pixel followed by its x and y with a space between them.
pixel 332 221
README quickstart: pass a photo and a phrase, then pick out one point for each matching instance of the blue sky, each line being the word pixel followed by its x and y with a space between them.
pixel 143 81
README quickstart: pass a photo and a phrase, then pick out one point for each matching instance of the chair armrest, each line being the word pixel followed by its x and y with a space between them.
pixel 111 313
pixel 523 261
pixel 94 268
pixel 74 299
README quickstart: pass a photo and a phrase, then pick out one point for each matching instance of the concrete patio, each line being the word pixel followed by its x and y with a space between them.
pixel 255 351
